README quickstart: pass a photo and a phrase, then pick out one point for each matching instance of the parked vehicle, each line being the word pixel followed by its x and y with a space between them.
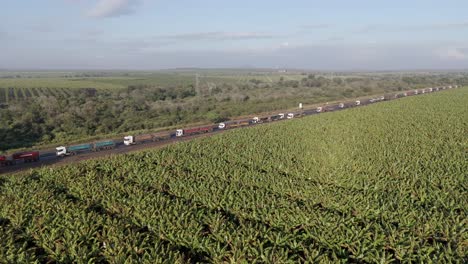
pixel 6 161
pixel 63 151
pixel 255 120
pixel 193 131
pixel 241 124
pixel 26 157
pixel 29 156
pixel 139 139
pixel 277 117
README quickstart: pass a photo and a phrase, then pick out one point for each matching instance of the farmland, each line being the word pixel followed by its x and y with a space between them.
pixel 46 109
pixel 383 183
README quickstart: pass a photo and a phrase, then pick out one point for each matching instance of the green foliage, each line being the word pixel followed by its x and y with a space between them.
pixel 56 83
pixel 49 109
pixel 384 183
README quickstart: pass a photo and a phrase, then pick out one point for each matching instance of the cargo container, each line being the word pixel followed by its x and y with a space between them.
pixel 29 156
pixel 109 144
pixel 80 147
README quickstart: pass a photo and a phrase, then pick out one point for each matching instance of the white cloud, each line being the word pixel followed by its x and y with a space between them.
pixel 112 8
pixel 219 36
pixel 411 28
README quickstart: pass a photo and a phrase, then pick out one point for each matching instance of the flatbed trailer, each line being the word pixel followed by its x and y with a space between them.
pixel 26 157
pixel 193 131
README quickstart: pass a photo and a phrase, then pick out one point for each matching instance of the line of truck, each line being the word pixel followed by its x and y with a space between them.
pixel 63 151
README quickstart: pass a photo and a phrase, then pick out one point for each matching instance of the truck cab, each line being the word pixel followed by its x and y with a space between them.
pixel 290 116
pixel 61 151
pixel 129 140
pixel 358 102
pixel 221 126
pixel 6 161
pixel 179 132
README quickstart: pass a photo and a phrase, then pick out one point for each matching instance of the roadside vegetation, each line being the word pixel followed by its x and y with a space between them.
pixel 379 184
pixel 38 109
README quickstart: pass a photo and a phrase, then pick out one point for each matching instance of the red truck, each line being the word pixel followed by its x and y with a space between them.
pixel 29 156
pixel 195 130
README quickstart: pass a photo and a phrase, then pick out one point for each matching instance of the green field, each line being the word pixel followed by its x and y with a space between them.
pixel 49 84
pixel 22 88
pixel 378 184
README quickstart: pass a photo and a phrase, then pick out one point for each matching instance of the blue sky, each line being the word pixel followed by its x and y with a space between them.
pixel 156 34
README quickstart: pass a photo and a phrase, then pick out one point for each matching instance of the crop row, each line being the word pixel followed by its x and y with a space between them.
pixel 382 184
pixel 12 94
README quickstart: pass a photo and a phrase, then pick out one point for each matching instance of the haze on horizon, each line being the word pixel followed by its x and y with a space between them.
pixel 321 35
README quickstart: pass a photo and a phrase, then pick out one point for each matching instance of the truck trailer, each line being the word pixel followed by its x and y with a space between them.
pixel 193 131
pixel 233 124
pixel 139 139
pixel 63 151
pixel 29 156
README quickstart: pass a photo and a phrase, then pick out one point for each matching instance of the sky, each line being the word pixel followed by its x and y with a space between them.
pixel 301 34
